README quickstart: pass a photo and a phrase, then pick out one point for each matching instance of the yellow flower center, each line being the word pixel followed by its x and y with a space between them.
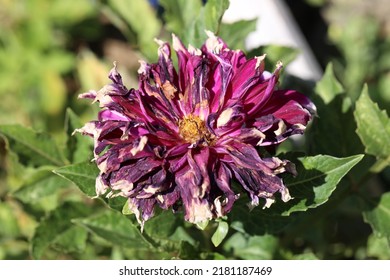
pixel 192 129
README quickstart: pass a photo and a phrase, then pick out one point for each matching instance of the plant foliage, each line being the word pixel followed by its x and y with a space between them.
pixel 48 203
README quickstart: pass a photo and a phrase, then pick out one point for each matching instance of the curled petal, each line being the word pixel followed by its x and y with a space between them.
pixel 197 207
pixel 194 184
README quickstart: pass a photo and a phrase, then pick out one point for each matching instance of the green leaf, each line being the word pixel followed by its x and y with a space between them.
pixel 117 202
pixel 136 14
pixel 373 128
pixel 188 251
pixel 75 13
pixel 8 220
pixel 126 209
pixel 115 228
pixel 328 87
pixel 234 34
pixel 53 93
pixel 209 18
pixel 36 148
pixel 179 15
pixel 50 228
pixel 377 214
pixel 334 131
pixel 258 221
pixel 82 174
pixel 79 147
pixel 41 183
pixel 72 240
pixel 252 247
pixel 335 118
pixel 280 53
pixel 181 234
pixel 189 19
pixel 220 233
pixel 274 54
pixel 378 247
pixel 96 79
pixel 165 231
pixel 212 14
pixel 305 256
pixel 202 225
pixel 317 178
pixel 162 225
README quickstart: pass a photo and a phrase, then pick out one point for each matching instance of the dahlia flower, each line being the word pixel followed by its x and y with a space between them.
pixel 180 139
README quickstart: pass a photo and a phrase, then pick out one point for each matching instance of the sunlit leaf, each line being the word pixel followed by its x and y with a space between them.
pixel 234 34
pixel 328 87
pixel 82 174
pixel 75 13
pixel 220 233
pixel 95 79
pixel 40 184
pixel 317 178
pixel 377 214
pixel 373 127
pixel 378 247
pixel 305 256
pixel 252 247
pixel 189 19
pixel 53 93
pixel 202 225
pixel 274 54
pixel 115 228
pixel 209 18
pixel 180 15
pixel 36 148
pixel 136 14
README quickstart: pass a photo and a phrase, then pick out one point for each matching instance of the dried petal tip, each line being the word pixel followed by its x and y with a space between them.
pixel 285 194
pixel 213 44
pixel 142 68
pixel 260 60
pixel 194 51
pixel 87 95
pixel 159 42
pixel 268 202
pixel 177 44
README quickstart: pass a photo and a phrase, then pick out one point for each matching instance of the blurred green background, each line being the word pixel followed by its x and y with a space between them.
pixel 52 50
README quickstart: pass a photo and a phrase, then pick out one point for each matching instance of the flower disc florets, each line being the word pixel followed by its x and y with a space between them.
pixel 181 138
pixel 193 130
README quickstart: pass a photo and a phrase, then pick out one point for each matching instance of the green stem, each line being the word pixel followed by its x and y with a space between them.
pixel 379 165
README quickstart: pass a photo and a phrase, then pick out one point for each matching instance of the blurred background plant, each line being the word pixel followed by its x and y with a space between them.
pixel 52 50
